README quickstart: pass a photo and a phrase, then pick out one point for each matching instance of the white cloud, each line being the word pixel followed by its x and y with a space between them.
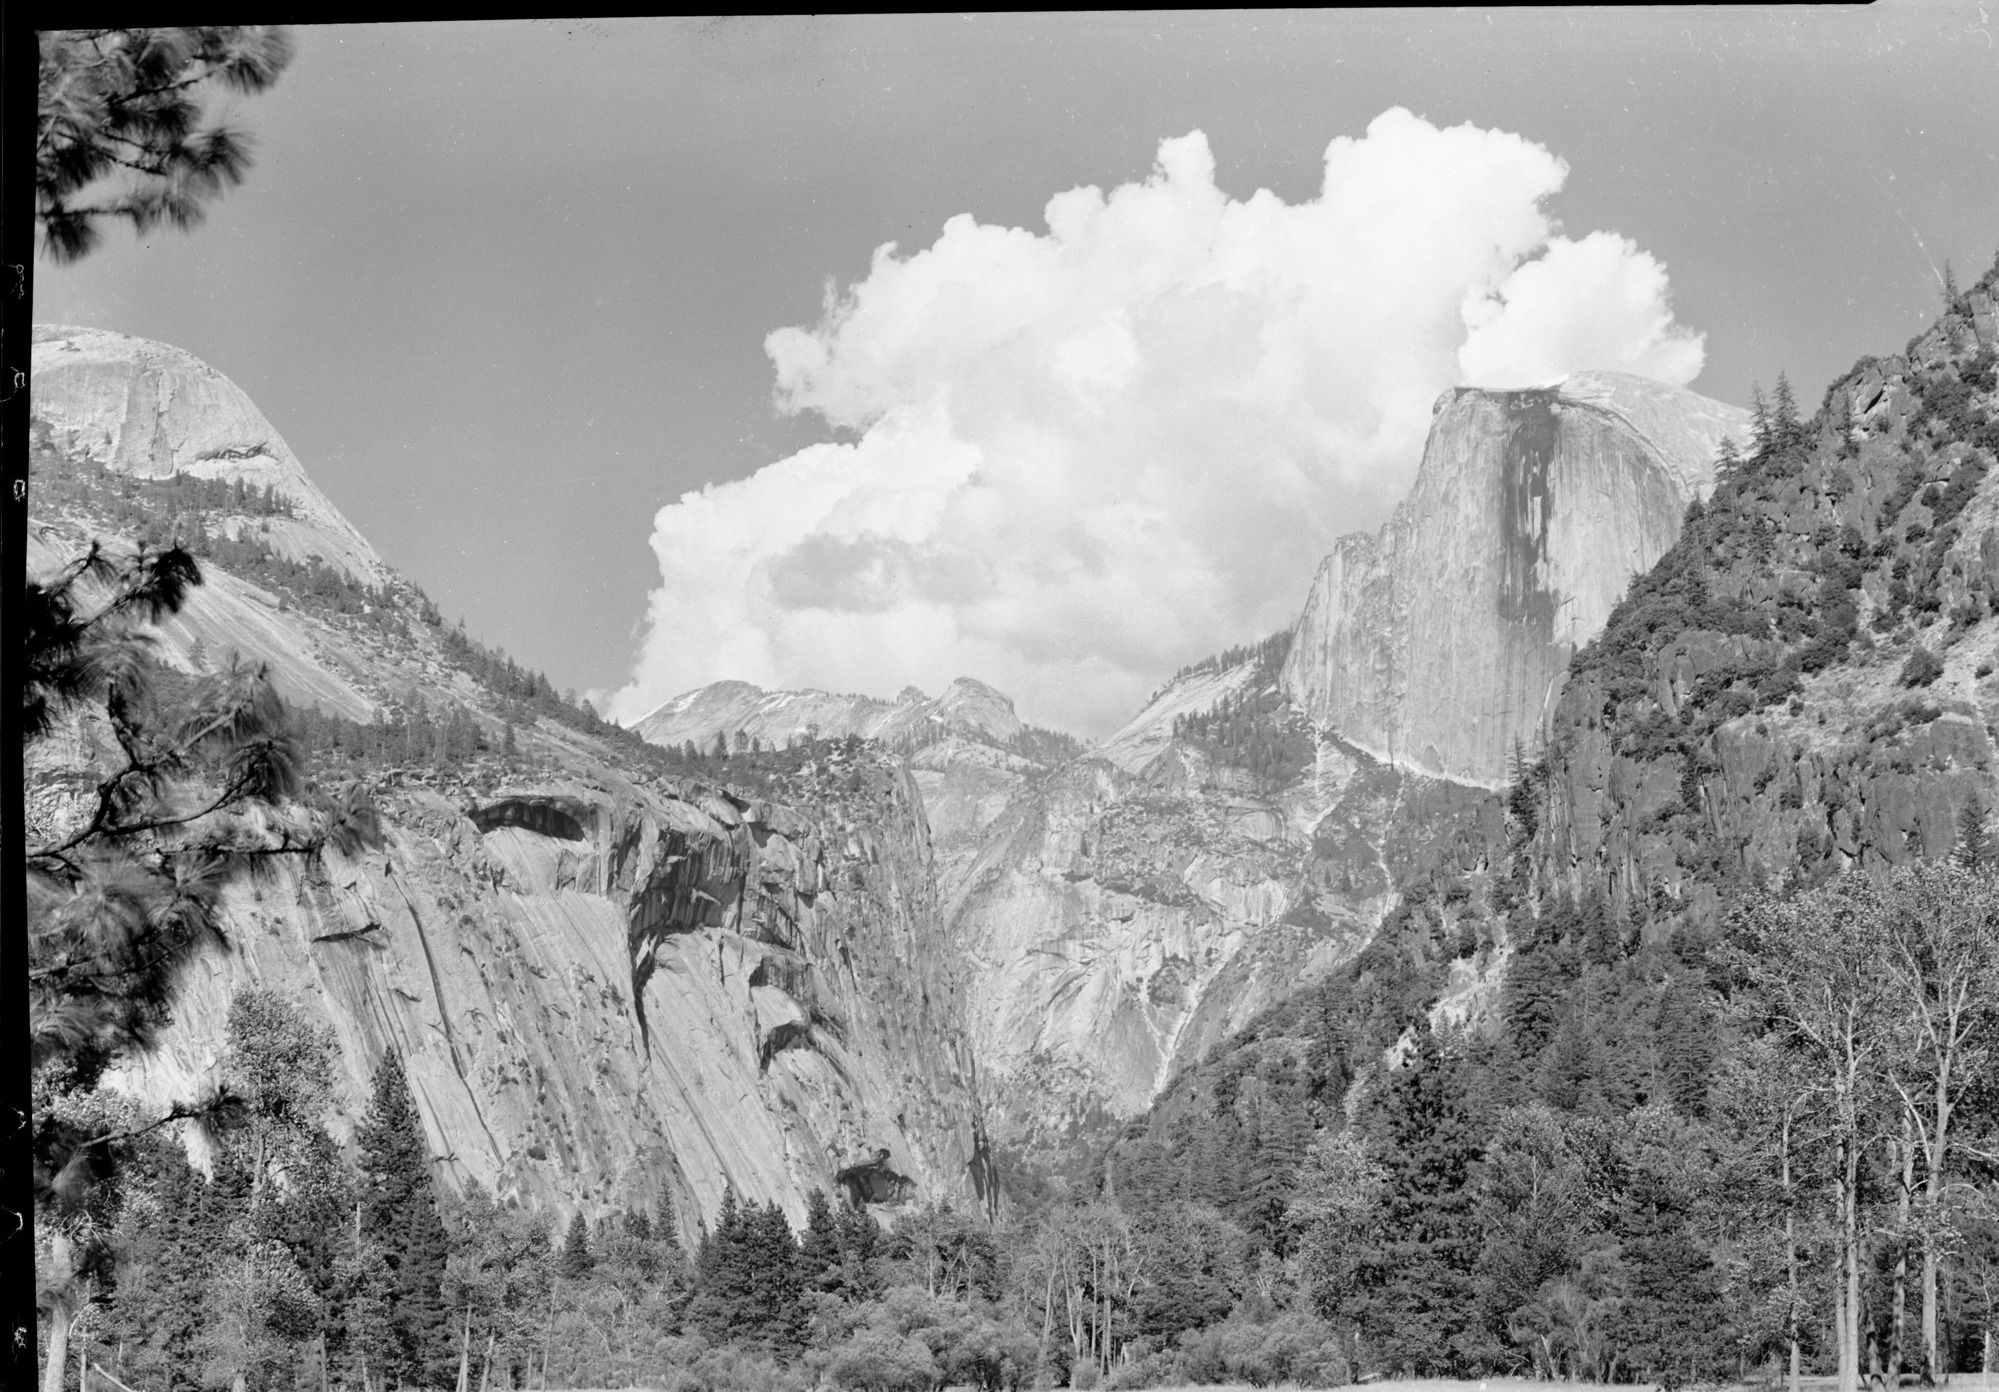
pixel 1088 455
pixel 1599 302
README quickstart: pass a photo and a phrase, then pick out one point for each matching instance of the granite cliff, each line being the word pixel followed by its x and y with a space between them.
pixel 1441 642
pixel 608 980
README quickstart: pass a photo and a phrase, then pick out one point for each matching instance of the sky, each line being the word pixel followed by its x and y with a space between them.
pixel 596 330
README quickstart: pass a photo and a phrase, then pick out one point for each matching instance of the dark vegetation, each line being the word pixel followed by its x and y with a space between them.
pixel 1257 730
pixel 1267 654
pixel 1253 728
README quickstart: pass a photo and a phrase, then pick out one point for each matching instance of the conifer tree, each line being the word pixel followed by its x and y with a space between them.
pixel 1973 850
pixel 722 1300
pixel 1673 1324
pixel 576 1259
pixel 123 103
pixel 1283 1131
pixel 1530 1002
pixel 1786 429
pixel 776 1284
pixel 400 1223
pixel 666 1231
pixel 165 1244
pixel 819 1249
pixel 860 1244
pixel 1417 1301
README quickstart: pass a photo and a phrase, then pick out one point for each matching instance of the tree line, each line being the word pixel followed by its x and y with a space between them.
pixel 1771 1148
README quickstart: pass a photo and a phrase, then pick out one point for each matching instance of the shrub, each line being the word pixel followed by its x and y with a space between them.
pixel 1922 668
pixel 1294 1347
pixel 880 1360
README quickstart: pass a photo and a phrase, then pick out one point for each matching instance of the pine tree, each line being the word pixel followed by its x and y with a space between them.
pixel 666 1231
pixel 576 1260
pixel 1531 1002
pixel 860 1246
pixel 399 1219
pixel 1597 932
pixel 819 1249
pixel 1973 850
pixel 777 1287
pixel 722 1302
pixel 1416 1303
pixel 1786 429
pixel 1283 1131
pixel 165 1249
pixel 1672 1315
pixel 1685 1049
pixel 122 103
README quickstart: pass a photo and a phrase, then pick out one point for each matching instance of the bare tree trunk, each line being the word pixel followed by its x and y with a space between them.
pixel 465 1354
pixel 58 1352
pixel 1933 1201
pixel 547 1338
pixel 486 1372
pixel 1897 1352
pixel 1849 1202
pixel 1047 1313
pixel 1790 1251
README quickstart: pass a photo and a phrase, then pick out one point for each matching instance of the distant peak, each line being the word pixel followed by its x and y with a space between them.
pixel 972 686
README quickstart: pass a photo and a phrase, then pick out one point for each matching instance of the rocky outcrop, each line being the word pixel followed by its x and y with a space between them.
pixel 151 411
pixel 1441 642
pixel 606 984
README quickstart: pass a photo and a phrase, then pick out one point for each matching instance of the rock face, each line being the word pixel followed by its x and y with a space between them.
pixel 145 409
pixel 603 992
pixel 1129 910
pixel 1810 684
pixel 606 983
pixel 1441 641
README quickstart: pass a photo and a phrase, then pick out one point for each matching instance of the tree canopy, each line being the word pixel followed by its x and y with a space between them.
pixel 119 130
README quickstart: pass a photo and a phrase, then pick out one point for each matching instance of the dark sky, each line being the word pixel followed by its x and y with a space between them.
pixel 504 287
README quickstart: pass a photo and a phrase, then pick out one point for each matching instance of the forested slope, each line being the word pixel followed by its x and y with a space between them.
pixel 1523 1127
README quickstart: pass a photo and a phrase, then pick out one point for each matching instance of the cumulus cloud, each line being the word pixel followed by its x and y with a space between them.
pixel 1090 454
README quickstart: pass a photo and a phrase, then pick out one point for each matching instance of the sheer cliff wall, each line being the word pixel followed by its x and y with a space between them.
pixel 1441 641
